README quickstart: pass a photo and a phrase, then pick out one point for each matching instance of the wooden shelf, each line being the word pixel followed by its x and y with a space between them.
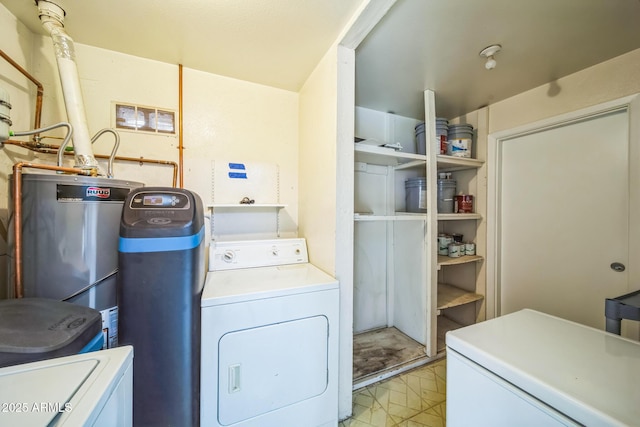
pixel 388 157
pixel 445 325
pixel 450 296
pixel 458 216
pixel 450 163
pixel 445 260
pixel 399 216
pixel 242 206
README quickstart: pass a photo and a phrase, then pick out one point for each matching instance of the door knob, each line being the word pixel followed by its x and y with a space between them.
pixel 617 266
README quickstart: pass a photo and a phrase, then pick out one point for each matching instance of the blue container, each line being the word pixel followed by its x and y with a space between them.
pixel 94 345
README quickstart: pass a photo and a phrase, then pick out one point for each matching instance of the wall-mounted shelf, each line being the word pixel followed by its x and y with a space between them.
pixel 458 216
pixel 233 182
pixel 247 206
pixel 399 216
pixel 387 157
pixel 451 296
pixel 444 260
pixel 445 325
pixel 450 163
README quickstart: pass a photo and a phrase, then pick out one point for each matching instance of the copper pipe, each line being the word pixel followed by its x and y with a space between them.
pixel 180 141
pixel 17 212
pixel 143 160
pixel 39 95
pixel 53 149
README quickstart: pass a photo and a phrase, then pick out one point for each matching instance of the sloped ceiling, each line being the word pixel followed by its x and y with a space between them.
pixel 272 42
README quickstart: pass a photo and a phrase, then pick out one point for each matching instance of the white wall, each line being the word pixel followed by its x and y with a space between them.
pixel 603 82
pixel 229 119
pixel 318 202
pixel 318 99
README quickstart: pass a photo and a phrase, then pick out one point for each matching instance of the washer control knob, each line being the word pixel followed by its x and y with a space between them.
pixel 228 256
pixel 274 251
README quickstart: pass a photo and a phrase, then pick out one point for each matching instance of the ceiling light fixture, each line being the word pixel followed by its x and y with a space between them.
pixel 488 53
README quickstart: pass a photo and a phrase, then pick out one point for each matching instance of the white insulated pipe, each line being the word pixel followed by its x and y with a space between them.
pixel 52 18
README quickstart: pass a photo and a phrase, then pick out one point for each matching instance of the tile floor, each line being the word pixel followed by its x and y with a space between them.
pixel 415 398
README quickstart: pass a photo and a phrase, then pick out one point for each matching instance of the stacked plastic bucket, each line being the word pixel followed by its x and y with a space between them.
pixel 453 140
pixel 416 194
pixel 446 193
pixel 460 140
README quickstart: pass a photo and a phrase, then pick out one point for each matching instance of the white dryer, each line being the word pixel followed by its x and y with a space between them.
pixel 91 389
pixel 269 337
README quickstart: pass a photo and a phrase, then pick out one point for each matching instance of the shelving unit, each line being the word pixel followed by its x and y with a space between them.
pixel 459 297
pixel 401 285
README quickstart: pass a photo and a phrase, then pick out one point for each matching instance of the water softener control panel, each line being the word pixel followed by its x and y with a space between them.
pixel 154 200
pixel 160 209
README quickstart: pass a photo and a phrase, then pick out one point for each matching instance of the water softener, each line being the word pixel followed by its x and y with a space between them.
pixel 160 281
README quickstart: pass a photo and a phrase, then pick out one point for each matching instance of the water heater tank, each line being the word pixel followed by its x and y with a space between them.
pixel 70 241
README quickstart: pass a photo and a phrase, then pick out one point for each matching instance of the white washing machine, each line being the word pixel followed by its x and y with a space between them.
pixel 269 337
pixel 531 369
pixel 91 389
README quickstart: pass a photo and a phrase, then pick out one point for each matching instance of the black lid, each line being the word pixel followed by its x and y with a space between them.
pixel 38 328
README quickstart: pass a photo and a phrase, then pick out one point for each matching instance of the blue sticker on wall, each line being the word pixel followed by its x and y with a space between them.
pixel 238 175
pixel 237 167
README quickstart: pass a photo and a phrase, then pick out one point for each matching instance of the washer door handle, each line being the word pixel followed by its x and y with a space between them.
pixel 618 266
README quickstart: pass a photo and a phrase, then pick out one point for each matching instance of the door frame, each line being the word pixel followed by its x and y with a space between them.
pixel 495 142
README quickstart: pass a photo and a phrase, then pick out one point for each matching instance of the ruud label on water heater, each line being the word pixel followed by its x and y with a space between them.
pixel 90 193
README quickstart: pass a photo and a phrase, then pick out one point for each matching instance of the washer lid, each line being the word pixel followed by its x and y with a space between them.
pixel 34 397
pixel 230 286
pixel 589 375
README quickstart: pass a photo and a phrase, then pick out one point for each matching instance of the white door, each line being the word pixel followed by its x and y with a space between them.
pixel 563 209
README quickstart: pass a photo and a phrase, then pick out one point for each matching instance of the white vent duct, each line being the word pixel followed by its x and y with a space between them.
pixel 52 18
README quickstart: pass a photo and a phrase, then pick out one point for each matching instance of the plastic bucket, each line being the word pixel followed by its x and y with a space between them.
pixel 446 195
pixel 460 140
pixel 459 147
pixel 416 194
